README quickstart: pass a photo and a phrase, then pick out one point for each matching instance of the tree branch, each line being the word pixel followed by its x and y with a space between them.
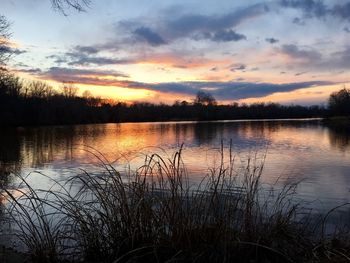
pixel 62 5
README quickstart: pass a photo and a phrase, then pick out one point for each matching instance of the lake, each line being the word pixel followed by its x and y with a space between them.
pixel 296 150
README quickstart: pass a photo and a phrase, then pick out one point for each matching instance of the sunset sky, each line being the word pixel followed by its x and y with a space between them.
pixel 286 51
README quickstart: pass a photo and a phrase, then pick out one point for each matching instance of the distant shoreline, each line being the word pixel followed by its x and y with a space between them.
pixel 175 121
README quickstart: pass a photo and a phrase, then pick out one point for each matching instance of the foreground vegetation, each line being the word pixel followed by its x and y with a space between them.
pixel 156 214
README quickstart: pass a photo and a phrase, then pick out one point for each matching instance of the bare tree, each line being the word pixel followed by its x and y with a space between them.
pixel 10 85
pixel 4 41
pixel 62 5
pixel 68 90
pixel 339 102
pixel 204 98
pixel 87 94
pixel 39 89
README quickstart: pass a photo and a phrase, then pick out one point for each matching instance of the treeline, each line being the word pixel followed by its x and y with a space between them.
pixel 151 112
pixel 36 103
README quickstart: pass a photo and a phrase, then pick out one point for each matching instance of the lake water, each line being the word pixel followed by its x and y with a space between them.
pixel 296 150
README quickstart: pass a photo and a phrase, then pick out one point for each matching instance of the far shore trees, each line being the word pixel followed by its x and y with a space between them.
pixel 37 103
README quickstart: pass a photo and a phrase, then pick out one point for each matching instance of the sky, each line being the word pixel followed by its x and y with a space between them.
pixel 284 51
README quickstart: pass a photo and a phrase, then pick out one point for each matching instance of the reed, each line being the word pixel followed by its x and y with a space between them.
pixel 157 214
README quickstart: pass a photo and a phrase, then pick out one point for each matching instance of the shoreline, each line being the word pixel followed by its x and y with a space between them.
pixel 174 121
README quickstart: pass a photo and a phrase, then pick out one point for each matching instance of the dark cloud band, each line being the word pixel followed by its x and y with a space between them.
pixel 221 90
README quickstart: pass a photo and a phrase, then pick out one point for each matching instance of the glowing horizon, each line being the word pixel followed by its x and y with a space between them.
pixel 280 51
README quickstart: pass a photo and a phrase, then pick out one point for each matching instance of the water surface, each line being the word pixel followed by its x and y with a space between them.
pixel 296 150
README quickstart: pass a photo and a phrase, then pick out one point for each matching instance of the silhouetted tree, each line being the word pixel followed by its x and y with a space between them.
pixel 339 102
pixel 4 41
pixel 204 98
pixel 39 89
pixel 184 103
pixel 69 90
pixel 87 94
pixel 10 85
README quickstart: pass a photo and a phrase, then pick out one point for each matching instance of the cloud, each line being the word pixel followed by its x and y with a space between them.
pixel 300 73
pixel 31 71
pixel 338 60
pixel 298 21
pixel 83 76
pixel 17 51
pixel 317 8
pixel 10 50
pixel 218 28
pixel 310 8
pixel 158 31
pixel 149 36
pixel 312 60
pixel 109 46
pixel 86 49
pixel 86 60
pixel 84 56
pixel 173 58
pixel 187 88
pixel 190 23
pixel 235 67
pixel 342 11
pixel 244 90
pixel 232 90
pixel 227 36
pixel 271 40
pixel 293 51
pixel 58 59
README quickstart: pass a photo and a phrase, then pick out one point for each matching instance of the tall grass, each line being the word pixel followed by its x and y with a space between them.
pixel 156 214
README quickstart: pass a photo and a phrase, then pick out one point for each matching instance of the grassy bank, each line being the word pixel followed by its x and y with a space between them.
pixel 157 215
